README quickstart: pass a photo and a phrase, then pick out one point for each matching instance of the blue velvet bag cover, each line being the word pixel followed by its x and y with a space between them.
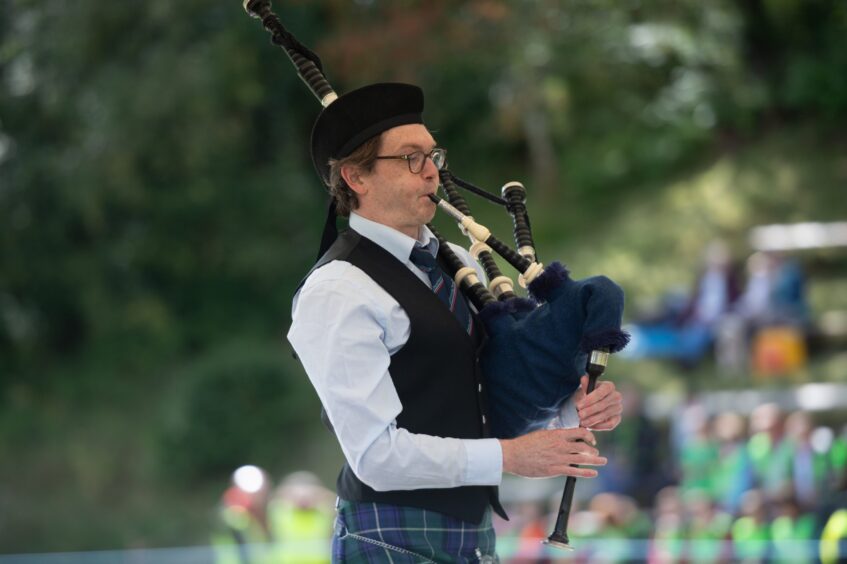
pixel 538 348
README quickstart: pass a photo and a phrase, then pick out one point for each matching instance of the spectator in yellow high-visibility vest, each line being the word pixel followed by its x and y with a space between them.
pixel 834 535
pixel 300 516
pixel 834 538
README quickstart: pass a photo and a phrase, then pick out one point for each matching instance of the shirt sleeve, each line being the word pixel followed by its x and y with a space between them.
pixel 344 330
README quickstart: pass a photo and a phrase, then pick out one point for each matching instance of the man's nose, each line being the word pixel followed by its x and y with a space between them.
pixel 429 169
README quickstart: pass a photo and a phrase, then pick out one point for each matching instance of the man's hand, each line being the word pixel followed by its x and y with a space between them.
pixel 601 409
pixel 546 453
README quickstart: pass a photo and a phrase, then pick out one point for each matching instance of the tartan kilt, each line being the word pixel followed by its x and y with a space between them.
pixel 368 532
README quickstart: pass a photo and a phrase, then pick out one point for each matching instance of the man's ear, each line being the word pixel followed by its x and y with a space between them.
pixel 352 175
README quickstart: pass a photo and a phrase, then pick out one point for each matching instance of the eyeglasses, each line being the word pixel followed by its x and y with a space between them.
pixel 417 159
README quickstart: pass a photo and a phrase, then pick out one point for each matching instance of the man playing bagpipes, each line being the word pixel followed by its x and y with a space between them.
pixel 392 349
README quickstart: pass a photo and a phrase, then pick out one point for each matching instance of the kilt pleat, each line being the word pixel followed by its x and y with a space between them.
pixel 368 532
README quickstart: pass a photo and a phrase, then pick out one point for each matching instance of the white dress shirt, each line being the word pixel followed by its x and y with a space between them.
pixel 345 329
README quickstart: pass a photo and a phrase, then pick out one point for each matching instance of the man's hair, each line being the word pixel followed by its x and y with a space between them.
pixel 363 157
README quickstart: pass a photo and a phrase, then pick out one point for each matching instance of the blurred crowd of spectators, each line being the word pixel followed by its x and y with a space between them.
pixel 718 488
pixel 761 319
pixel 768 486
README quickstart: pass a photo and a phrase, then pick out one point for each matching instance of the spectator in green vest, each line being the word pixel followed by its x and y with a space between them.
pixel 810 463
pixel 732 474
pixel 698 453
pixel 793 533
pixel 668 542
pixel 619 521
pixel 770 452
pixel 838 453
pixel 751 531
pixel 708 529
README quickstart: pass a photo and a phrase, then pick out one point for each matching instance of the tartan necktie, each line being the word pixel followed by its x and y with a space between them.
pixel 443 286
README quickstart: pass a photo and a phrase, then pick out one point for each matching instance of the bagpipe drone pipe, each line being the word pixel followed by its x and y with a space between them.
pixel 539 346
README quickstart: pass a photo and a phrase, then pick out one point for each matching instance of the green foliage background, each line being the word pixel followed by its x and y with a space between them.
pixel 158 207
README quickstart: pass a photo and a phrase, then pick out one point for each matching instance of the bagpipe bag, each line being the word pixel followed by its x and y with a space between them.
pixel 538 348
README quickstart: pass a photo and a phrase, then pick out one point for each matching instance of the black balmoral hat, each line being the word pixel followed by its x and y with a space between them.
pixel 359 115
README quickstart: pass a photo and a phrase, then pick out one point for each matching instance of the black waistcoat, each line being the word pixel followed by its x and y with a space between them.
pixel 437 377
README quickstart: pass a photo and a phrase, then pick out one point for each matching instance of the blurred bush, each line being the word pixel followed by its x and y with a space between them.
pixel 242 404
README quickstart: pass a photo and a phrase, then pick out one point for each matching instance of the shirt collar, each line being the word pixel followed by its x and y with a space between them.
pixel 398 244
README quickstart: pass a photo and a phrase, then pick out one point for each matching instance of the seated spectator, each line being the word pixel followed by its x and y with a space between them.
pixel 708 527
pixel 618 519
pixel 685 333
pixel 699 454
pixel 769 322
pixel 668 542
pixel 770 451
pixel 838 453
pixel 754 305
pixel 751 531
pixel 834 538
pixel 810 469
pixel 793 533
pixel 716 289
pixel 833 544
pixel 733 473
pixel 775 292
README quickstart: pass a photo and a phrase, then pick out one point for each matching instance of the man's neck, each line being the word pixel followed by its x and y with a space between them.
pixel 411 231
